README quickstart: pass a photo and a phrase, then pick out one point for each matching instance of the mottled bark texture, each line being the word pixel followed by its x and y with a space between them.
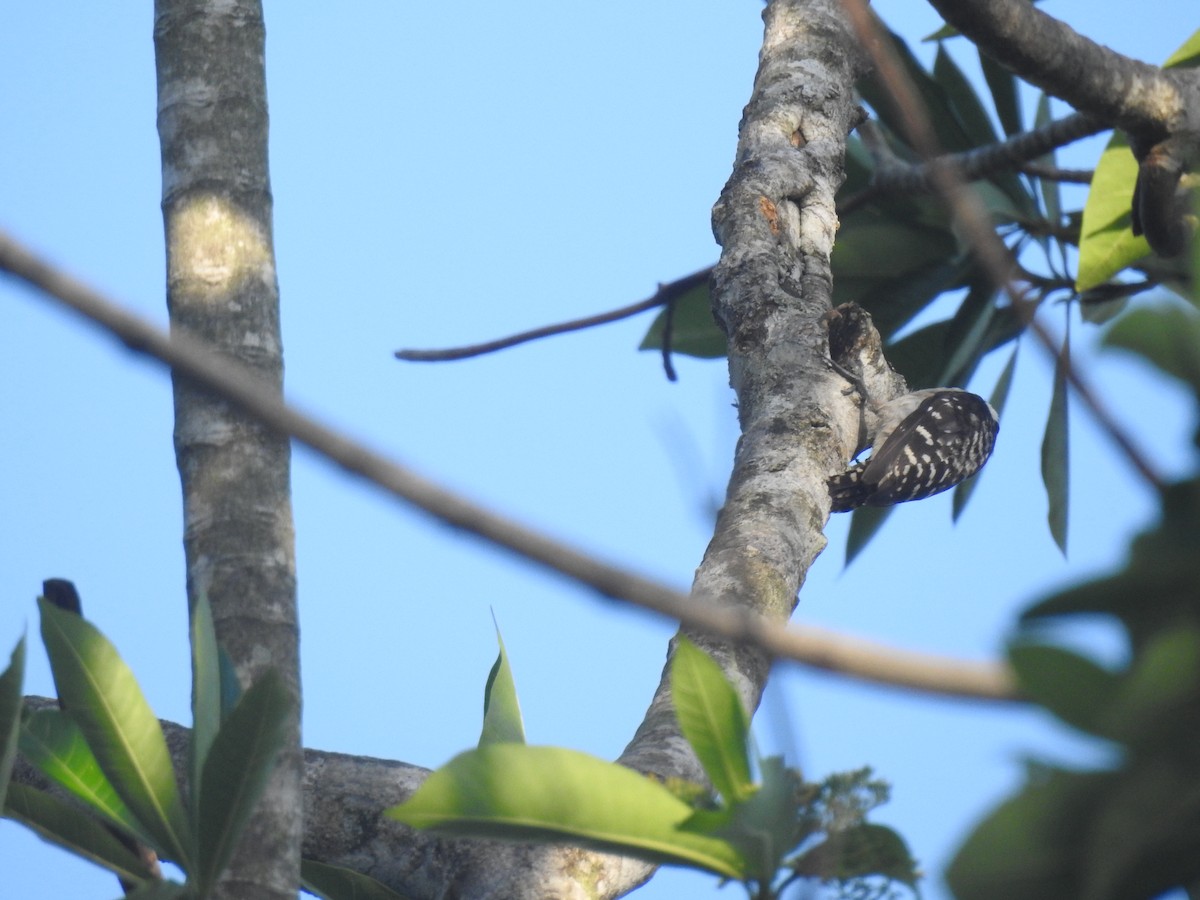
pixel 221 288
pixel 772 290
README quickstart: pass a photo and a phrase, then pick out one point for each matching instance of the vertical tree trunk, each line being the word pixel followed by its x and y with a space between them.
pixel 221 286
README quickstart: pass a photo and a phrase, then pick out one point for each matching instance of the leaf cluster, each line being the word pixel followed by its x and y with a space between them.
pixel 766 833
pixel 1130 829
pixel 119 803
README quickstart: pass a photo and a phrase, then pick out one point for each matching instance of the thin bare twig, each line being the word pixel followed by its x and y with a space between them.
pixel 835 653
pixel 973 218
pixel 665 295
pixel 1054 173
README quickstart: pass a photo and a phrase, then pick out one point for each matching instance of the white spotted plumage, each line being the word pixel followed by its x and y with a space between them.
pixel 926 442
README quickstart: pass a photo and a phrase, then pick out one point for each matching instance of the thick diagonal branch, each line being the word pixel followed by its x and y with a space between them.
pixel 775 221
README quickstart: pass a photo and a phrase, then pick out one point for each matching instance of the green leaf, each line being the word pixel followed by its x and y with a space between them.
pixel 1055 454
pixel 502 720
pixel 100 693
pixel 10 713
pixel 951 135
pixel 963 492
pixel 763 826
pixel 1051 195
pixel 1031 846
pixel 52 741
pixel 1155 695
pixel 1186 55
pixel 966 338
pixel 518 792
pixel 864 523
pixel 977 125
pixel 206 692
pixel 963 99
pixel 1107 245
pixel 919 355
pixel 240 761
pixel 694 332
pixel 712 719
pixel 64 824
pixel 1142 836
pixel 337 883
pixel 231 687
pixel 860 852
pixel 1070 686
pixel 1168 337
pixel 1003 86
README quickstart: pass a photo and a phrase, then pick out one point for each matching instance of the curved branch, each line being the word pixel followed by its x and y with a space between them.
pixel 981 162
pixel 1127 93
pixel 665 294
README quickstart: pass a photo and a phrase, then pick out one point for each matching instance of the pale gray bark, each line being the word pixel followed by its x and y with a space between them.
pixel 221 288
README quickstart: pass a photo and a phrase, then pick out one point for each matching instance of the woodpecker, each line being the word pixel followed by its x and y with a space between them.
pixel 926 443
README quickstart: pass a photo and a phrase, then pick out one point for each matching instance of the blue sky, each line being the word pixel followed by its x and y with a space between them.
pixel 451 173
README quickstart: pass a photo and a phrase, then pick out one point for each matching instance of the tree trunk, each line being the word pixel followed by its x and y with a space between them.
pixel 221 287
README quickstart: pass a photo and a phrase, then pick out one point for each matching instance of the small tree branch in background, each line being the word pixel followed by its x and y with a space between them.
pixel 1054 173
pixel 664 296
pixel 895 176
pixel 227 379
pixel 972 217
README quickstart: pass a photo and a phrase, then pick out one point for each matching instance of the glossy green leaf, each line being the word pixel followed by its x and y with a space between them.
pixel 502 722
pixel 101 695
pixel 518 792
pixel 62 823
pixel 1107 245
pixel 240 761
pixel 865 523
pixel 1056 457
pixel 52 741
pixel 694 332
pixel 712 719
pixel 1168 337
pixel 337 883
pixel 206 692
pixel 1070 686
pixel 10 713
pixel 962 493
pixel 1005 98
